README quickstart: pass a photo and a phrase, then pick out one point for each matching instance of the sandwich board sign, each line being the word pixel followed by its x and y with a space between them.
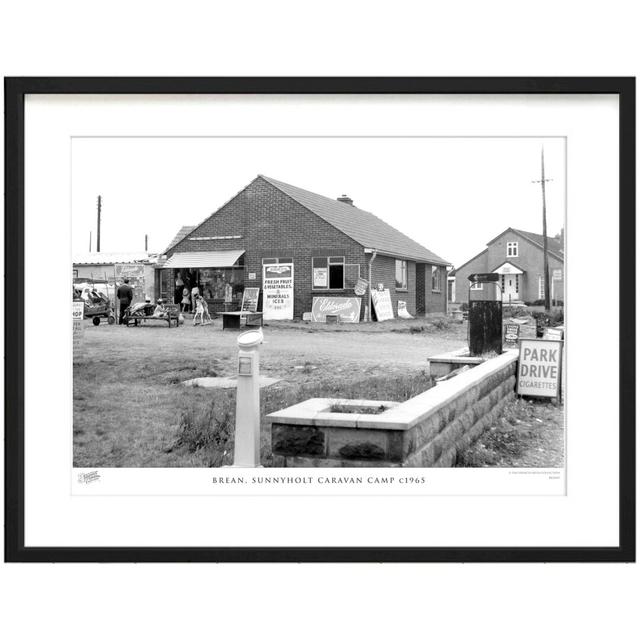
pixel 539 368
pixel 511 334
pixel 250 299
pixel 382 304
pixel 78 326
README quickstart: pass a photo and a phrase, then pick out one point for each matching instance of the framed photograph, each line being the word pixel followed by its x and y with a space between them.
pixel 320 319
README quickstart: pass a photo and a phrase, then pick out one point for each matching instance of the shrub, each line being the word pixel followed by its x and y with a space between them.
pixel 441 323
pixel 540 303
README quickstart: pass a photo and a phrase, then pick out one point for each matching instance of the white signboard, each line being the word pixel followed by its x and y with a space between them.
pixel 402 310
pixel 320 277
pixel 382 304
pixel 347 308
pixel 277 291
pixel 78 325
pixel 557 274
pixel 539 368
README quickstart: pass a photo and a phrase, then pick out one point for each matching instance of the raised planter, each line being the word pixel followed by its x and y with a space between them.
pixel 445 363
pixel 426 431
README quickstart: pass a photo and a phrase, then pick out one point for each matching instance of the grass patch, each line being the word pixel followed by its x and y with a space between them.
pixel 206 426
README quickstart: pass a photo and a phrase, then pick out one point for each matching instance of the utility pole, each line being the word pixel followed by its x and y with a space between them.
pixel 99 212
pixel 89 241
pixel 146 242
pixel 547 291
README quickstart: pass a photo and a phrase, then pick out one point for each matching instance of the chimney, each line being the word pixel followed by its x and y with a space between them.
pixel 346 199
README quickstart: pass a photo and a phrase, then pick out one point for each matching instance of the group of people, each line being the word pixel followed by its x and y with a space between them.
pixel 197 303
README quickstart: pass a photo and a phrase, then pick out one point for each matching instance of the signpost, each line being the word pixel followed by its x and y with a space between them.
pixel 539 368
pixel 382 304
pixel 250 298
pixel 277 287
pixel 348 309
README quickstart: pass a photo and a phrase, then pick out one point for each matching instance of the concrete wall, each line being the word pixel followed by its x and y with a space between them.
pixel 426 431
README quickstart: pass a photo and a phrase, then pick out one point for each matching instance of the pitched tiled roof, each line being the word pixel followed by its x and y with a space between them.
pixel 363 227
pixel 181 235
pixel 553 245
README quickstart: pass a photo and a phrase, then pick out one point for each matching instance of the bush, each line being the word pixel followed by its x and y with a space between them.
pixel 441 323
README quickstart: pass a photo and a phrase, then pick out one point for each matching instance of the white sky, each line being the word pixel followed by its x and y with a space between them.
pixel 450 194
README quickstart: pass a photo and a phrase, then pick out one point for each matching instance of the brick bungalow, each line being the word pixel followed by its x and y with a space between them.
pixel 518 257
pixel 331 244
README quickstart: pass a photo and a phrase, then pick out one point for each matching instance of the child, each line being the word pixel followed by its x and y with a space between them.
pixel 199 302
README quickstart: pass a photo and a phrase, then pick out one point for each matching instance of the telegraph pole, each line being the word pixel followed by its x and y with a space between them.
pixel 547 291
pixel 89 241
pixel 99 212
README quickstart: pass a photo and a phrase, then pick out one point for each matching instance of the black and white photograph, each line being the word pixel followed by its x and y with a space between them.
pixel 318 302
pixel 352 310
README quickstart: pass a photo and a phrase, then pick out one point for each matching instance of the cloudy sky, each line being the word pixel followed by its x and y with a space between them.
pixel 450 194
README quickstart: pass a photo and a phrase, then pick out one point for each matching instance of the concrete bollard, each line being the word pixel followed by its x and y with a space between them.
pixel 247 437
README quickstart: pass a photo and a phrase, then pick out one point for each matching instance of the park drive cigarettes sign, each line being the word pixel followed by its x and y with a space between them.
pixel 539 368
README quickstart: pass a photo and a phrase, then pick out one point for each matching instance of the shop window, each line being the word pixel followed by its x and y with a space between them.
pixel 328 273
pixel 401 274
pixel 436 278
pixel 512 249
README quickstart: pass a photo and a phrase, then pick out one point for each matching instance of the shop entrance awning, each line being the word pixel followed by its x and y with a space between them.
pixel 203 259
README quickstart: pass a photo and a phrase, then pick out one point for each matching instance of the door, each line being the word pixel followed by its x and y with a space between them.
pixel 510 285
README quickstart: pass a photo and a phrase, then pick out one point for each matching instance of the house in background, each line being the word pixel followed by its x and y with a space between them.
pixel 518 257
pixel 331 244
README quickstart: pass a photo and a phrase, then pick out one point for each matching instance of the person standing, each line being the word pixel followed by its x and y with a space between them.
pixel 125 296
pixel 195 292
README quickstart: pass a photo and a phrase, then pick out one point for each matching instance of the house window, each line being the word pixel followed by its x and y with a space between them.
pixel 476 286
pixel 540 287
pixel 436 278
pixel 502 282
pixel 512 249
pixel 328 272
pixel 401 274
pixel 277 260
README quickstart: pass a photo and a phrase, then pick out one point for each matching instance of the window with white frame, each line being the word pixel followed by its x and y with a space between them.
pixel 277 260
pixel 476 286
pixel 512 249
pixel 436 278
pixel 328 272
pixel 540 287
pixel 401 274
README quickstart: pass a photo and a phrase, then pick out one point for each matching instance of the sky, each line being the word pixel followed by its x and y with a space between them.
pixel 451 195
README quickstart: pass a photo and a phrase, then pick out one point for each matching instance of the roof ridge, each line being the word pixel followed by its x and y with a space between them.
pixel 347 208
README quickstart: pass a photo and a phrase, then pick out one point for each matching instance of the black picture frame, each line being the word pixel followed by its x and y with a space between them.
pixel 15 91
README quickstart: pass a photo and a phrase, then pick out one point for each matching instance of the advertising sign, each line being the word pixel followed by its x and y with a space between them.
pixel 382 304
pixel 511 334
pixel 277 287
pixel 320 277
pixel 361 287
pixel 250 299
pixel 347 308
pixel 557 274
pixel 539 368
pixel 78 326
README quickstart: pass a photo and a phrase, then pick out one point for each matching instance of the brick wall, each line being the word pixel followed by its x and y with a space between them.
pixel 271 224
